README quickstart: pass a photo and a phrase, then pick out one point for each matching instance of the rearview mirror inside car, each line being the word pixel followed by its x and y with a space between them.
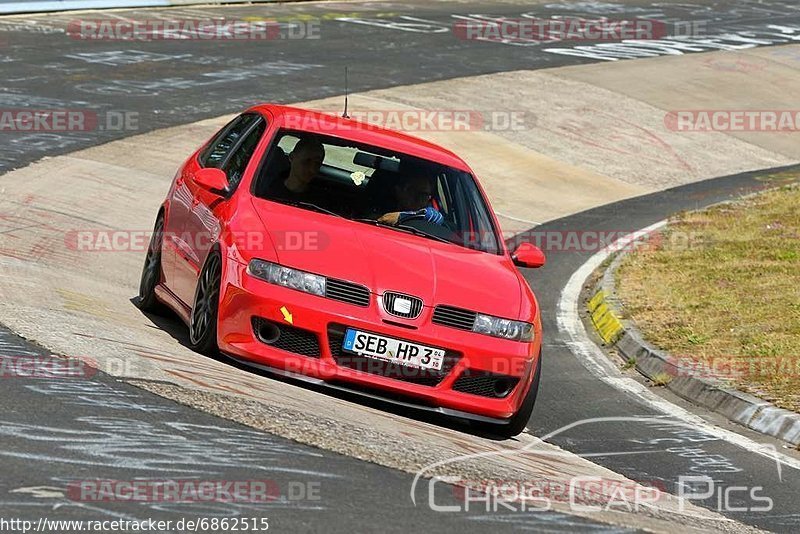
pixel 528 255
pixel 212 180
pixel 374 161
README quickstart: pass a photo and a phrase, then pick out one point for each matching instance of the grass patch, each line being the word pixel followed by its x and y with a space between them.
pixel 661 379
pixel 721 289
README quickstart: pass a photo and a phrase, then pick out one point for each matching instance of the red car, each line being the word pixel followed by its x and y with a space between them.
pixel 345 254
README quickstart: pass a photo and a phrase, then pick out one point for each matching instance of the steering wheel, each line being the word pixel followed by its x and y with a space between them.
pixel 405 217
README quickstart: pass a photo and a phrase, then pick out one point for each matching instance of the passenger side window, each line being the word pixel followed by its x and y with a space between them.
pixel 220 147
pixel 237 163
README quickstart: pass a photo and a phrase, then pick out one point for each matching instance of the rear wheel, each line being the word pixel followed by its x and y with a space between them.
pixel 151 272
pixel 203 324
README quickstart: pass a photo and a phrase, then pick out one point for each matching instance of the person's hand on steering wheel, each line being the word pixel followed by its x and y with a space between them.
pixel 390 218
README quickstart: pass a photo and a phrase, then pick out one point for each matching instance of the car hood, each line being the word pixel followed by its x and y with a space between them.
pixel 384 259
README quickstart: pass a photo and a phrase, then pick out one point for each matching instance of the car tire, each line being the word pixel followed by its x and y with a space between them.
pixel 151 272
pixel 203 321
pixel 519 420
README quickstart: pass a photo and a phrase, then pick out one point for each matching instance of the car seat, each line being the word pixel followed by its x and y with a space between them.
pixel 277 165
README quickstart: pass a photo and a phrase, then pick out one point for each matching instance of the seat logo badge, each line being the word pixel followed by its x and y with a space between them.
pixel 402 305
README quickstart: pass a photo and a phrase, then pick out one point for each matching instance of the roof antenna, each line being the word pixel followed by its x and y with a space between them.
pixel 345 115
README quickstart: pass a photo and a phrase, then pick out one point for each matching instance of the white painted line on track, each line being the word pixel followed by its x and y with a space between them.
pixel 595 360
pixel 517 219
pixel 118 17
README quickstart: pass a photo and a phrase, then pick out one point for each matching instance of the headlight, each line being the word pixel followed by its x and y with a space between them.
pixel 287 277
pixel 505 328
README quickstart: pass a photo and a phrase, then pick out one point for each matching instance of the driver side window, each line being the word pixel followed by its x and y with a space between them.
pixel 236 164
pixel 219 149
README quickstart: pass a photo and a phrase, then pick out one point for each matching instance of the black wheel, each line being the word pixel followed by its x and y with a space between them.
pixel 151 272
pixel 203 324
pixel 519 420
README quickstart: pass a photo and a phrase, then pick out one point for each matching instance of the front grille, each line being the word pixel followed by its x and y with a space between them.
pixel 390 299
pixel 423 377
pixel 454 317
pixel 485 384
pixel 347 292
pixel 290 338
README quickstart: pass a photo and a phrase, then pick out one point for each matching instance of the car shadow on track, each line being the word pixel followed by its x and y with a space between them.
pixel 171 324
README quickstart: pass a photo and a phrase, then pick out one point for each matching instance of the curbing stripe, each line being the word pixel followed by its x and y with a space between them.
pixel 606 322
pixel 596 300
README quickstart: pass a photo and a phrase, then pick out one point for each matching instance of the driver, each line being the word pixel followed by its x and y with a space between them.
pixel 412 200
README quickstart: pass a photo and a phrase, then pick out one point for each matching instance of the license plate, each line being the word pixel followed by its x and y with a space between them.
pixel 393 350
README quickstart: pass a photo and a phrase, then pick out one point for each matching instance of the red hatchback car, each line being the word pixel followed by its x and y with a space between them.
pixel 349 255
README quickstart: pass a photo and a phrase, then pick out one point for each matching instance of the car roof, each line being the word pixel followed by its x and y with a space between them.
pixel 299 119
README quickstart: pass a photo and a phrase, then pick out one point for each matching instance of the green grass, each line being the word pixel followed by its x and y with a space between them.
pixel 722 288
pixel 661 379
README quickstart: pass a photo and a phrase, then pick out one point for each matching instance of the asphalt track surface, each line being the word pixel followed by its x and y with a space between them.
pixel 54 436
pixel 50 432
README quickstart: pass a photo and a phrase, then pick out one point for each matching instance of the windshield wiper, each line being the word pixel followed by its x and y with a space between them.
pixel 373 222
pixel 310 206
pixel 417 231
pixel 406 229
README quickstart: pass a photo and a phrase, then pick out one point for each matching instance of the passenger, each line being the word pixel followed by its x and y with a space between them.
pixel 305 162
pixel 412 200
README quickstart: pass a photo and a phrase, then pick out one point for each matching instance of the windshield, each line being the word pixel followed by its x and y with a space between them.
pixel 377 186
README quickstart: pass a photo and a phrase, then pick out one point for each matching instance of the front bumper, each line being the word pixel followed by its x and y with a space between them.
pixel 312 350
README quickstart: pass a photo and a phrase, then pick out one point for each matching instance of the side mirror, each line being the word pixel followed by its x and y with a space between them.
pixel 212 180
pixel 527 255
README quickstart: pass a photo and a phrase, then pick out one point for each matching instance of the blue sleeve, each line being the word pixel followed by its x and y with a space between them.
pixel 433 216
